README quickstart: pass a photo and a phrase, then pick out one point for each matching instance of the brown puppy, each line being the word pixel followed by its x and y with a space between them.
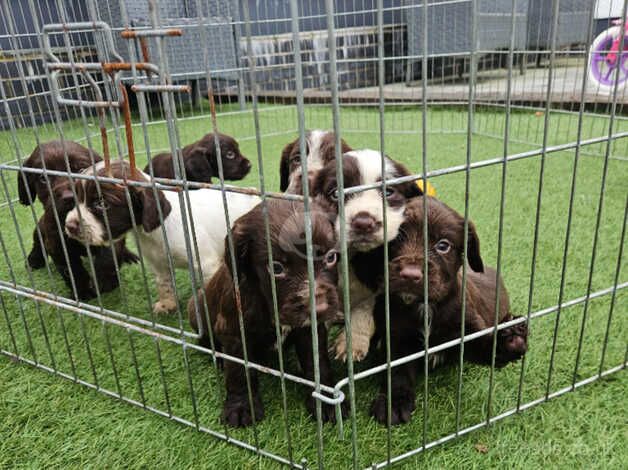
pixel 201 161
pixel 51 155
pixel 445 250
pixel 289 269
pixel 320 148
pixel 31 186
pixel 72 269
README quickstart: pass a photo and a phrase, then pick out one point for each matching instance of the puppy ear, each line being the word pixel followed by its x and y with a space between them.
pixel 26 186
pixel 150 212
pixel 197 166
pixel 473 250
pixel 344 146
pixel 410 189
pixel 284 165
pixel 242 240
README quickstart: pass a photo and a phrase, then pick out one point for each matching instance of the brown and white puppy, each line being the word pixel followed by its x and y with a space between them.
pixel 148 210
pixel 320 148
pixel 31 186
pixel 200 160
pixel 71 268
pixel 364 228
pixel 289 269
pixel 407 307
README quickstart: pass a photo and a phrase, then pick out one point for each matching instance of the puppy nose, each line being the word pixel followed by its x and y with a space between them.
pixel 246 164
pixel 72 226
pixel 411 273
pixel 364 222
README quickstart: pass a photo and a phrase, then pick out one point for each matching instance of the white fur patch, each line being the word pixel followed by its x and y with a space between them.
pixel 370 201
pixel 92 230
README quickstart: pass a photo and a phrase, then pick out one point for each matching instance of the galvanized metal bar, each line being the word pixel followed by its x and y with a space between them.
pixel 614 293
pixel 424 166
pixel 574 176
pixel 502 203
pixel 501 416
pixel 382 149
pixel 467 188
pixel 152 409
pixel 600 206
pixel 342 235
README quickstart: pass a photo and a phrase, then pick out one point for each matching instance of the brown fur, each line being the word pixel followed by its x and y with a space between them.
pixel 290 164
pixel 406 254
pixel 286 220
pixel 54 239
pixel 200 161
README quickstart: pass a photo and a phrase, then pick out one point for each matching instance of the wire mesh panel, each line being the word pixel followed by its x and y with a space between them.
pixel 219 212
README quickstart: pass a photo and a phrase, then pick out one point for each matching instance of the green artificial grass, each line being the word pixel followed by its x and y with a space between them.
pixel 48 421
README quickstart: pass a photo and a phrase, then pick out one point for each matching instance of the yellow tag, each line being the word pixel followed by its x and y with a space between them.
pixel 431 191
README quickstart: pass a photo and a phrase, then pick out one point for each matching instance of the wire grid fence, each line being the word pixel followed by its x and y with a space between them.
pixel 509 130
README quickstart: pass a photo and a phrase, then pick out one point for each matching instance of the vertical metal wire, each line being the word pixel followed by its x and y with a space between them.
pixel 344 260
pixel 502 203
pixel 614 292
pixel 382 149
pixel 424 167
pixel 600 206
pixel 543 155
pixel 267 234
pixel 465 247
pixel 574 177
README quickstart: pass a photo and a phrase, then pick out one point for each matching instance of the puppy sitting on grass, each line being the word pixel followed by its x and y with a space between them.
pixel 445 250
pixel 289 269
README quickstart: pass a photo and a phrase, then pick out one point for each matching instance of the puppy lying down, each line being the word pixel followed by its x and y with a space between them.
pixel 289 270
pixel 445 250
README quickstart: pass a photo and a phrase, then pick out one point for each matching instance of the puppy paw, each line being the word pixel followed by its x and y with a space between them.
pixel 512 344
pixel 164 306
pixel 236 411
pixel 129 257
pixel 328 412
pixel 35 260
pixel 401 407
pixel 359 347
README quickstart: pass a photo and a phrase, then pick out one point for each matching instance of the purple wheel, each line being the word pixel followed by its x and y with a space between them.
pixel 602 69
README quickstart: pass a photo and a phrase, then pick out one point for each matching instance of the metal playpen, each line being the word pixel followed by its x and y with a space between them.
pixel 500 117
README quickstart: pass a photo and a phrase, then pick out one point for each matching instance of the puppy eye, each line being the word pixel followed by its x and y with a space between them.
pixel 443 246
pixel 333 194
pixel 331 258
pixel 278 269
pixel 42 178
pixel 230 155
pixel 296 159
pixel 389 192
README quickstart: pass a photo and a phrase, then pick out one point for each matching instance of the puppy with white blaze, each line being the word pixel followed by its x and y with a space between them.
pixel 364 228
pixel 320 149
pixel 86 223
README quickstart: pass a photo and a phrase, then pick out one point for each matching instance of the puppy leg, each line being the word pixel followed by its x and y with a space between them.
pixel 36 258
pixel 362 330
pixel 403 383
pixel 511 345
pixel 105 268
pixel 84 290
pixel 512 342
pixel 124 254
pixel 303 343
pixel 165 289
pixel 236 410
